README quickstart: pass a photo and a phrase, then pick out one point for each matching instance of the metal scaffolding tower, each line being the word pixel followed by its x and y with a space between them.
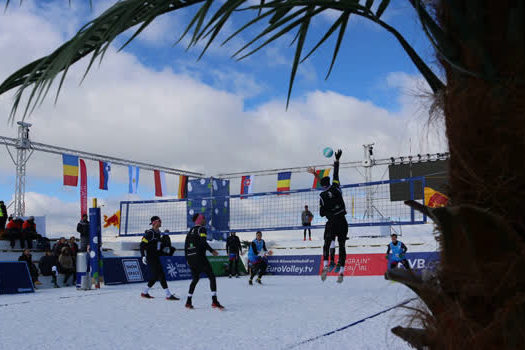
pixel 23 145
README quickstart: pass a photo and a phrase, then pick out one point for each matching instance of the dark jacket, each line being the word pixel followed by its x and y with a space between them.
pixel 233 245
pixel 83 228
pixel 165 246
pixel 57 248
pixel 29 261
pixel 195 245
pixel 46 264
pixel 331 203
pixel 150 245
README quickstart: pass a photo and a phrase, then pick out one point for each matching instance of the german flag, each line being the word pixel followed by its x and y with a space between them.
pixel 183 187
pixel 435 199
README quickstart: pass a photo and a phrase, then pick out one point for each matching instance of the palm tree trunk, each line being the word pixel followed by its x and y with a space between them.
pixel 484 108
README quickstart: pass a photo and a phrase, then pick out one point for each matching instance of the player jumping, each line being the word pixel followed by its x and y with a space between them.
pixel 332 205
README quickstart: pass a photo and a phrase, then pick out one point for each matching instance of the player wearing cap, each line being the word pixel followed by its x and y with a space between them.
pixel 195 248
pixel 150 250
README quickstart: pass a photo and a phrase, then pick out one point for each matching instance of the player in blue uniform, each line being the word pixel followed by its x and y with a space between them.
pixel 395 253
pixel 257 256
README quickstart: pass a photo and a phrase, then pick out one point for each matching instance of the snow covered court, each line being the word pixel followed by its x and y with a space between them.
pixel 286 312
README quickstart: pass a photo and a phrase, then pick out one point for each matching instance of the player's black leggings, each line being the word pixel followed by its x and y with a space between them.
pixel 306 227
pixel 199 267
pixel 336 228
pixel 394 264
pixel 259 268
pixel 157 274
pixel 234 266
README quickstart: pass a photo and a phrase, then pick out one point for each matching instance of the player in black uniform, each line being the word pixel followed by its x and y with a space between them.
pixel 234 250
pixel 195 248
pixel 332 205
pixel 150 250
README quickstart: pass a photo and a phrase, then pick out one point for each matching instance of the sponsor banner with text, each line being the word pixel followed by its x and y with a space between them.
pixel 295 265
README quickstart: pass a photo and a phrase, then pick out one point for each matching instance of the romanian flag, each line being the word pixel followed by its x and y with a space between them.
pixel 283 181
pixel 70 164
pixel 183 186
pixel 319 174
pixel 435 199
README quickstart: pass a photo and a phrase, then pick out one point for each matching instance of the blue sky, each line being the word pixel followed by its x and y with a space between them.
pixel 157 103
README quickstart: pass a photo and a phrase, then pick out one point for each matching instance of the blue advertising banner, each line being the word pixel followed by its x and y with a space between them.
pixel 423 261
pixel 294 265
pixel 15 278
pixel 132 270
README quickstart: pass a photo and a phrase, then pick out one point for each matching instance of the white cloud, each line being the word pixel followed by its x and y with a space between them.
pixel 125 109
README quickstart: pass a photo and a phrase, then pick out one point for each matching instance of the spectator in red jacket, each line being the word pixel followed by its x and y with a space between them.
pixel 13 230
pixel 28 232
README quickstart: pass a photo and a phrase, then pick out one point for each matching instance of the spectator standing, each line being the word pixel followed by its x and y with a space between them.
pixel 83 229
pixel 28 232
pixel 395 253
pixel 306 218
pixel 234 250
pixel 3 216
pixel 48 266
pixel 33 271
pixel 66 264
pixel 73 245
pixel 57 248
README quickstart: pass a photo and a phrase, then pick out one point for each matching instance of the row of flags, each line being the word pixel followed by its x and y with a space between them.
pixel 283 181
pixel 71 163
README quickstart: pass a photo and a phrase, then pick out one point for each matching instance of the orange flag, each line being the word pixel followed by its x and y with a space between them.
pixel 435 199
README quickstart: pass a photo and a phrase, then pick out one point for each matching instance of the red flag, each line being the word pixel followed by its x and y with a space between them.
pixel 160 183
pixel 83 188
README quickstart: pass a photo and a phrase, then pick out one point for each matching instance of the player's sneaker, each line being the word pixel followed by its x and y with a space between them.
pixel 217 305
pixel 310 238
pixel 259 281
pixel 146 295
pixel 229 276
pixel 331 266
pixel 304 239
pixel 250 282
pixel 188 306
pixel 324 272
pixel 337 268
pixel 340 278
pixel 172 297
pixel 38 283
pixel 237 276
